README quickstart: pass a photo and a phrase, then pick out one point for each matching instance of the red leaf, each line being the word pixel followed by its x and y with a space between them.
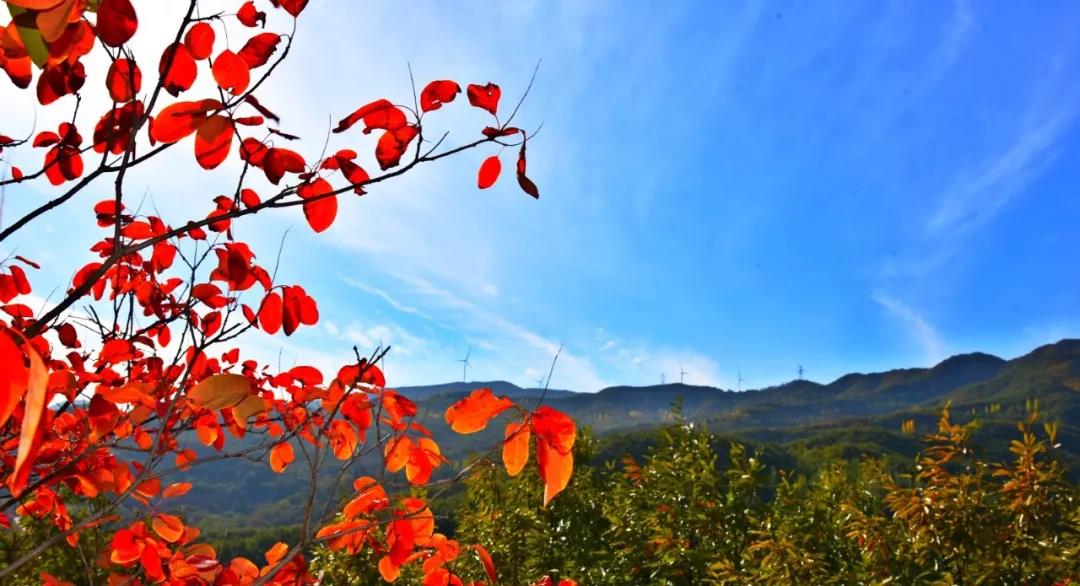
pixel 212 141
pixel 526 184
pixel 279 161
pixel 116 22
pixel 124 80
pixel 250 99
pixel 319 211
pixel 257 51
pixel 437 93
pixel 249 16
pixel 378 114
pixel 231 72
pixel 181 71
pixel 181 119
pixel 492 132
pixel 489 172
pixel 60 80
pixel 200 40
pixel 484 96
pixel 393 144
pixel 293 7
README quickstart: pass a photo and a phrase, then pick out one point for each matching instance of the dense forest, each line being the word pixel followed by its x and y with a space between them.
pixel 697 508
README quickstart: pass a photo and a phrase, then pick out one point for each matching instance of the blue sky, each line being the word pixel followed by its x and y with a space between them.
pixel 725 187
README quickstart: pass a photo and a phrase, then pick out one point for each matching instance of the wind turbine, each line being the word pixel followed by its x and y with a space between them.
pixel 540 383
pixel 741 379
pixel 663 378
pixel 800 372
pixel 682 373
pixel 465 364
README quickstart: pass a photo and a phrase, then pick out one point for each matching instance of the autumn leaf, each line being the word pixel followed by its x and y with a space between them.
pixel 116 22
pixel 472 414
pixel 30 434
pixel 181 119
pixel 231 72
pixel 437 93
pixel 515 450
pixel 248 407
pixel 249 16
pixel 526 184
pixel 489 564
pixel 220 391
pixel 258 49
pixel 555 435
pixel 213 140
pixel 485 97
pixel 176 489
pixel 177 69
pixel 319 209
pixel 169 527
pixel 123 80
pixel 489 172
pixel 199 40
pixel 380 114
pixel 14 376
pixel 293 7
pixel 424 457
pixel 281 456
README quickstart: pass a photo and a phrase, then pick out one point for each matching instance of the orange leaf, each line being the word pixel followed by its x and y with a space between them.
pixel 220 391
pixel 423 459
pixel 342 439
pixel 170 528
pixel 244 569
pixel 13 377
pixel 489 564
pixel 555 468
pixel 515 452
pixel 281 456
pixel 472 413
pixel 275 553
pixel 397 452
pixel 555 434
pixel 251 405
pixel 176 489
pixel 30 436
pixel 489 172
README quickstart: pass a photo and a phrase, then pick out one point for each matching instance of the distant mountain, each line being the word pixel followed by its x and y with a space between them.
pixel 857 414
pixel 499 387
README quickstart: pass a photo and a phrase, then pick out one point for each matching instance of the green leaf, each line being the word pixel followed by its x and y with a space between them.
pixel 30 35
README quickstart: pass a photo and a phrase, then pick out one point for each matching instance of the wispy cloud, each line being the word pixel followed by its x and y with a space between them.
pixel 916 325
pixel 979 194
pixel 402 307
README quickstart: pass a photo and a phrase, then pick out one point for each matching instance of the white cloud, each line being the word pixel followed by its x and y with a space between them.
pixel 979 194
pixel 915 325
